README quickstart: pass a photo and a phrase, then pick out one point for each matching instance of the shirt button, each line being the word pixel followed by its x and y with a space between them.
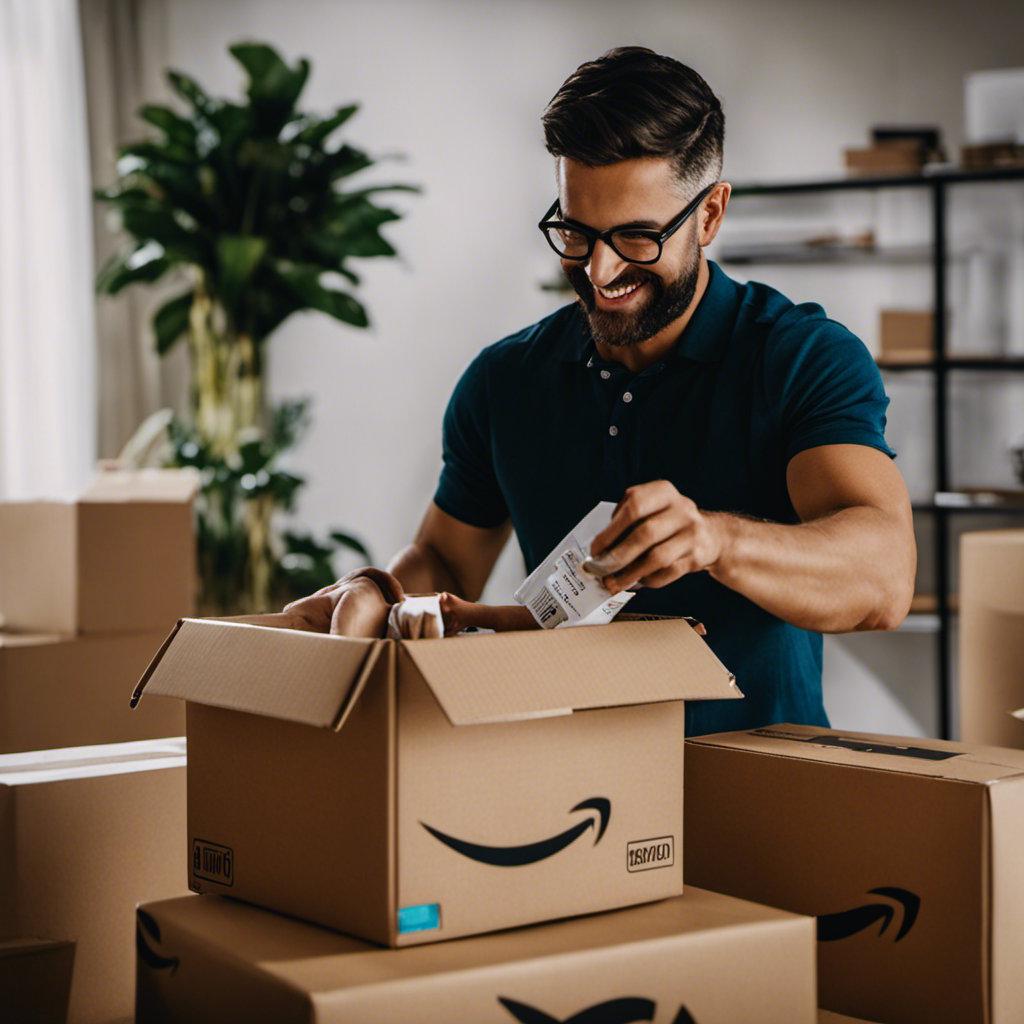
pixel 627 397
pixel 613 431
pixel 605 374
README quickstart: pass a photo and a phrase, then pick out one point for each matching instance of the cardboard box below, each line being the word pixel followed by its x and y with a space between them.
pixel 67 691
pixel 992 637
pixel 122 558
pixel 907 851
pixel 85 834
pixel 35 980
pixel 697 958
pixel 414 791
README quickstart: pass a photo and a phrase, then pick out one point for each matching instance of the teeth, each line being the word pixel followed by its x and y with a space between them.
pixel 617 293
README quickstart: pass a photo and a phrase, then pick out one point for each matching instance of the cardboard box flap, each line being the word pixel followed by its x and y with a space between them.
pixel 280 673
pixel 508 676
pixel 961 762
pixel 171 485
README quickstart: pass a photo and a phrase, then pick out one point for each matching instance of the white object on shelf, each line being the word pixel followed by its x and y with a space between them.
pixel 994 106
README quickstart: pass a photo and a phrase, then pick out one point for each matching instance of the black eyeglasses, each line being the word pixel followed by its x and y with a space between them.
pixel 575 241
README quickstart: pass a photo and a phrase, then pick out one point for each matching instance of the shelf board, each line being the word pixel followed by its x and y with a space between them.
pixel 804 254
pixel 975 500
pixel 928 604
pixel 951 177
pixel 923 360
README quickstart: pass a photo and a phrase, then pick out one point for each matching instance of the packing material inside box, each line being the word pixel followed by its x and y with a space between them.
pixel 121 558
pixel 697 958
pixel 907 851
pixel 86 833
pixel 412 791
pixel 35 980
pixel 992 637
pixel 70 691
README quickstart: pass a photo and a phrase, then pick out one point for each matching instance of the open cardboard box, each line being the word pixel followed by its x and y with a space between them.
pixel 121 558
pixel 413 791
pixel 698 959
pixel 908 851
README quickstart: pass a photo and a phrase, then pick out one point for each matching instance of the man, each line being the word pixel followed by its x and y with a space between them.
pixel 742 436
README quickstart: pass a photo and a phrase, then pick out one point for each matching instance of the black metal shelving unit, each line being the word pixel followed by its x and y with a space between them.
pixel 941 365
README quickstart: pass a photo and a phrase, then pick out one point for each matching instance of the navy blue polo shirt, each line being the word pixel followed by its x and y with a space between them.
pixel 540 429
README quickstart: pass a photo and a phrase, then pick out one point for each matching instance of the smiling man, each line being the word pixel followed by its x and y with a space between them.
pixel 742 436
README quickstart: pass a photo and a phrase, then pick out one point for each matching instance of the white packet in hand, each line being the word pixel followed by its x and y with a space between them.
pixel 559 592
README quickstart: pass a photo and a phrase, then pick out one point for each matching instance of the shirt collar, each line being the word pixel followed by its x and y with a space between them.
pixel 704 339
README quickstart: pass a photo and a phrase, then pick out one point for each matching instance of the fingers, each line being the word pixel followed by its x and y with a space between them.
pixel 637 504
pixel 362 610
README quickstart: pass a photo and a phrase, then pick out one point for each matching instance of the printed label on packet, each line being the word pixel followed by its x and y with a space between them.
pixel 559 593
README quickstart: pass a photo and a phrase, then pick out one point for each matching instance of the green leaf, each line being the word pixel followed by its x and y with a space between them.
pixel 346 540
pixel 305 285
pixel 177 129
pixel 318 131
pixel 161 225
pixel 170 321
pixel 147 262
pixel 189 89
pixel 345 161
pixel 269 77
pixel 238 256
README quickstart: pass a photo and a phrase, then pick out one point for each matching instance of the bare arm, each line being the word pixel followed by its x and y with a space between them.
pixel 449 555
pixel 849 565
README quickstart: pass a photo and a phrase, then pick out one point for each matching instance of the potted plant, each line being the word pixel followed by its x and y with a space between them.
pixel 246 204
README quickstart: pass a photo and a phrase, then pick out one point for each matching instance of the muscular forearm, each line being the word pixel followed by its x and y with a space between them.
pixel 422 571
pixel 851 570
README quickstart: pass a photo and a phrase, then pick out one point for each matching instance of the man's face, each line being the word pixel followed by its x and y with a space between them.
pixel 629 303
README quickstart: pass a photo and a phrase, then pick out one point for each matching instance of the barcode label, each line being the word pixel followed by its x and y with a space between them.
pixel 546 610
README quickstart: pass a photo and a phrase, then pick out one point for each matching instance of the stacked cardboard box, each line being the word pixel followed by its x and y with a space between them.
pixel 457 785
pixel 408 792
pixel 85 834
pixel 697 958
pixel 88 589
pixel 907 851
pixel 992 637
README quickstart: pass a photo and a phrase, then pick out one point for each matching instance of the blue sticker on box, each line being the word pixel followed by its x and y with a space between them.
pixel 423 918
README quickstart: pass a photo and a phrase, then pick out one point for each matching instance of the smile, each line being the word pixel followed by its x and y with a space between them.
pixel 620 292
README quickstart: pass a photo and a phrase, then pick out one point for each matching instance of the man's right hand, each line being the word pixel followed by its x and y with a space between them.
pixel 356 605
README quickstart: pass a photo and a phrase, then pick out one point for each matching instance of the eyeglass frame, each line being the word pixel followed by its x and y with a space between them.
pixel 593 235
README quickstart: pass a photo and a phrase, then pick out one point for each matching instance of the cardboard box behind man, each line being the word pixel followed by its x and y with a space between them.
pixel 907 851
pixel 413 791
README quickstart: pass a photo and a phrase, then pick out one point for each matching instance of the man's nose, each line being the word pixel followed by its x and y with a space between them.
pixel 605 264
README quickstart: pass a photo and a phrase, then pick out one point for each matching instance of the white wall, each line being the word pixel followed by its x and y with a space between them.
pixel 460 87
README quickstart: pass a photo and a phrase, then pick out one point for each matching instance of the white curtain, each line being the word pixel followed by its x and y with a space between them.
pixel 47 325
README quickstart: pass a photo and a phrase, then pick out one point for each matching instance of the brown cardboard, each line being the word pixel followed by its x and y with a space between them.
pixel 991 637
pixel 907 334
pixel 907 851
pixel 892 157
pixel 700 957
pixel 35 980
pixel 86 833
pixel 67 691
pixel 461 785
pixel 122 558
pixel 827 1017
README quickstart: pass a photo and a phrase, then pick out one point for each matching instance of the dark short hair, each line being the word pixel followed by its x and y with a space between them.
pixel 633 102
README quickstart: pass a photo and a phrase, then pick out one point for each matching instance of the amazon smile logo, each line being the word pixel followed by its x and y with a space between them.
pixel 530 853
pixel 848 922
pixel 614 1011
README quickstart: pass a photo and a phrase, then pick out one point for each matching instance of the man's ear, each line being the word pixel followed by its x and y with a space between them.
pixel 712 212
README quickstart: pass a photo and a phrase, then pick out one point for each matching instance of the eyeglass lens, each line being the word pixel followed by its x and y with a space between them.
pixel 629 244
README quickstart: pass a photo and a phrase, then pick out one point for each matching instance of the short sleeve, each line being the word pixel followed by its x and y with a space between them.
pixel 823 385
pixel 468 489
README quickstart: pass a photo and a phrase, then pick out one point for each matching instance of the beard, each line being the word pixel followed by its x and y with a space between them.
pixel 665 303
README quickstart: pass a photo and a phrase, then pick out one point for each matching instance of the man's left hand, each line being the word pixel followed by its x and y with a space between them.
pixel 655 536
